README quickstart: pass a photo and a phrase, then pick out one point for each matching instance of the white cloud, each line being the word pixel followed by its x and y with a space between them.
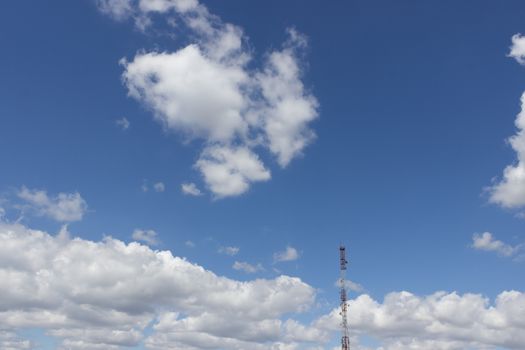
pixel 350 285
pixel 119 9
pixel 510 191
pixel 174 333
pixel 65 207
pixel 123 123
pixel 167 5
pixel 290 254
pixel 229 171
pixel 102 295
pixel 148 236
pixel 440 321
pixel 247 267
pixel 487 242
pixel 10 341
pixel 206 91
pixel 517 50
pixel 289 108
pixel 159 187
pixel 189 92
pixel 190 189
pixel 231 251
pixel 122 9
pixel 190 244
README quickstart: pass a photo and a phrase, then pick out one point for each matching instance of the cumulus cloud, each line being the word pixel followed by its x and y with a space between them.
pixel 517 50
pixel 123 123
pixel 230 171
pixel 440 321
pixel 105 294
pixel 189 92
pixel 288 107
pixel 247 267
pixel 207 91
pixel 231 251
pixel 64 207
pixel 289 254
pixel 190 189
pixel 147 236
pixel 102 295
pixel 159 187
pixel 487 242
pixel 173 333
pixel 510 191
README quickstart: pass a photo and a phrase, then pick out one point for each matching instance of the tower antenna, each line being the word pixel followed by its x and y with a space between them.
pixel 345 339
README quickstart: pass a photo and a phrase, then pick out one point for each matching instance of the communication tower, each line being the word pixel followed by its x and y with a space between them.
pixel 345 339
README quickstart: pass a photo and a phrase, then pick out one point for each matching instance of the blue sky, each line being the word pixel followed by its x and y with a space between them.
pixel 412 105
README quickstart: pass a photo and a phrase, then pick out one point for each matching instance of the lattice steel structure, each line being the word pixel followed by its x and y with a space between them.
pixel 345 339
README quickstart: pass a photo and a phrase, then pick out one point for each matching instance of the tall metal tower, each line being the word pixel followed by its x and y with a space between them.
pixel 345 339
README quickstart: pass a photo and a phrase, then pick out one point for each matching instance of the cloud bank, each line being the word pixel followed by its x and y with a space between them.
pixel 208 91
pixel 113 295
pixel 103 295
pixel 440 321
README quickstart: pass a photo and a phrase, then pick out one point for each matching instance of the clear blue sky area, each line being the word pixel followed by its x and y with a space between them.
pixel 416 101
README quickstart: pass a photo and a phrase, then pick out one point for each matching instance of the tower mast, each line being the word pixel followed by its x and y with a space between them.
pixel 345 339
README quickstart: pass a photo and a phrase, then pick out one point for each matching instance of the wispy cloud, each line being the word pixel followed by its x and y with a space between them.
pixel 231 251
pixel 148 236
pixel 159 187
pixel 190 189
pixel 487 242
pixel 123 123
pixel 350 285
pixel 247 267
pixel 289 254
pixel 64 207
